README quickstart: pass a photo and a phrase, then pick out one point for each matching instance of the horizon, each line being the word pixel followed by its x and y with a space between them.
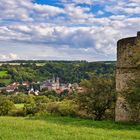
pixel 18 60
pixel 65 30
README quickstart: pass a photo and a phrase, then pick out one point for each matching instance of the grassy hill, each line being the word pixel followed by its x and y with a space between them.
pixel 62 128
pixel 4 77
pixel 3 73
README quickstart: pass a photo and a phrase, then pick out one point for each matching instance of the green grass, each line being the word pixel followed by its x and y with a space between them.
pixel 63 128
pixel 5 81
pixel 40 64
pixel 19 105
pixel 3 73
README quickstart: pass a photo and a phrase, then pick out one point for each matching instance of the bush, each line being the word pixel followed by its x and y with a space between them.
pixel 5 106
pixel 63 108
pixel 68 108
pixel 41 99
pixel 41 107
pixel 35 108
pixel 30 109
pixel 39 104
pixel 52 107
pixel 19 98
pixel 17 112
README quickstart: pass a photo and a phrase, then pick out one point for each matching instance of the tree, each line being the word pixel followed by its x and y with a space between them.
pixel 98 96
pixel 5 106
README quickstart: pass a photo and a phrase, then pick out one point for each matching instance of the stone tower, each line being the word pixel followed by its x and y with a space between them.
pixel 127 69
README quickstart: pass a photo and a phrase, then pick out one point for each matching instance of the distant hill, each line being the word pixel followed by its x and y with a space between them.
pixel 67 71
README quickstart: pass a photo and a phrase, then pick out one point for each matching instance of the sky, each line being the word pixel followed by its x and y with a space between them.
pixel 65 29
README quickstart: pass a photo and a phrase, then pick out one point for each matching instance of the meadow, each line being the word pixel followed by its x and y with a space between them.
pixel 65 128
pixel 3 78
pixel 3 73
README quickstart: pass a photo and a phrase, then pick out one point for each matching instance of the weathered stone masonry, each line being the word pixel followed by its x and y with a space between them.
pixel 126 70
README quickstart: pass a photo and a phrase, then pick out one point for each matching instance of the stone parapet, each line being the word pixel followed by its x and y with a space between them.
pixel 125 52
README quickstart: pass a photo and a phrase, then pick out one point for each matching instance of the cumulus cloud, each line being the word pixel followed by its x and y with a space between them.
pixel 78 1
pixel 26 10
pixel 10 56
pixel 70 31
pixel 128 7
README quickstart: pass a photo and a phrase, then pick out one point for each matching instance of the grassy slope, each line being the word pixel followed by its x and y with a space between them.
pixel 3 73
pixel 58 128
pixel 6 81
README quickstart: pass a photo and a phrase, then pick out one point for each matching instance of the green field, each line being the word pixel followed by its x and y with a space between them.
pixel 61 128
pixel 3 73
pixel 5 81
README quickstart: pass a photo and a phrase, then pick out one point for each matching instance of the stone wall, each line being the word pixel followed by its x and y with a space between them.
pixel 126 70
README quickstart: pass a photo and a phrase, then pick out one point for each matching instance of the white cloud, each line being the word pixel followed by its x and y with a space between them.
pixel 26 10
pixel 47 9
pixel 129 7
pixel 72 31
pixel 10 56
pixel 13 56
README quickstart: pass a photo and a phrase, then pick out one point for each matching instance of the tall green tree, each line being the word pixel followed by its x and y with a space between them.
pixel 98 96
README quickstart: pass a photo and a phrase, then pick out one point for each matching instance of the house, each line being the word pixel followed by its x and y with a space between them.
pixel 26 83
pixel 46 84
pixel 2 89
pixel 12 87
pixel 51 84
pixel 33 92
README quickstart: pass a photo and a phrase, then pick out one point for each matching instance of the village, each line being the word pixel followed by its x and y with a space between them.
pixel 34 88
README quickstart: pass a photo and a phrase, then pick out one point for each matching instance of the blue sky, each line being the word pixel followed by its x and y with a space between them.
pixel 65 29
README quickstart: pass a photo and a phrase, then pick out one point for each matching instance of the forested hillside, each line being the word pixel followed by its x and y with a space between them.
pixel 67 71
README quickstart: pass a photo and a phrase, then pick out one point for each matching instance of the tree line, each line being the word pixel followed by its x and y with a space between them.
pixel 67 71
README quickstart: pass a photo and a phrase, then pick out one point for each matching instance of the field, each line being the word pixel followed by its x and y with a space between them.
pixel 5 81
pixel 3 73
pixel 63 128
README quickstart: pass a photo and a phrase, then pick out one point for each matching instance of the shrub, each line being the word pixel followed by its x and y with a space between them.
pixel 29 99
pixel 19 98
pixel 17 112
pixel 68 108
pixel 52 107
pixel 42 107
pixel 41 99
pixel 5 106
pixel 30 108
pixel 63 108
pixel 39 104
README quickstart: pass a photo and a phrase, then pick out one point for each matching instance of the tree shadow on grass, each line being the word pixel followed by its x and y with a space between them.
pixel 87 123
